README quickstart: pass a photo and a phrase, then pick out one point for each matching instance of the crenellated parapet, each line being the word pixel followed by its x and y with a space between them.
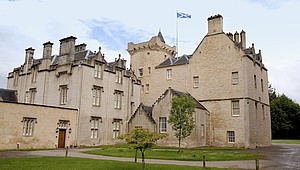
pixel 154 44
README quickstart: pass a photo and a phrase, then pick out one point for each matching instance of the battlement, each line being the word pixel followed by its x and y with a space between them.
pixel 155 43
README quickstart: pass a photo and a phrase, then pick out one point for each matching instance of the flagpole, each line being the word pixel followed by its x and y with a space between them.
pixel 177 32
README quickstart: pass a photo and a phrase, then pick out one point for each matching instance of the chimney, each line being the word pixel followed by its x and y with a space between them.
pixel 236 37
pixel 67 45
pixel 47 50
pixel 67 50
pixel 215 24
pixel 230 35
pixel 243 39
pixel 80 47
pixel 29 52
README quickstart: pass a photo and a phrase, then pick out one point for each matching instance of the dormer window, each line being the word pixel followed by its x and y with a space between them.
pixel 34 75
pixel 119 76
pixel 98 70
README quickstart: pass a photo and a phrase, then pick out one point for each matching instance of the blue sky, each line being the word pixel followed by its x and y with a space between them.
pixel 273 26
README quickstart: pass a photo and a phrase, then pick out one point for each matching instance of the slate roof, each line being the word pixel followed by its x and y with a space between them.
pixel 147 109
pixel 78 56
pixel 173 61
pixel 83 55
pixel 179 93
pixel 8 95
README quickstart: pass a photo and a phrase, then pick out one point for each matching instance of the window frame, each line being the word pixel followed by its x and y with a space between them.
pixel 147 88
pixel 141 72
pixel 169 73
pixel 28 126
pixel 235 78
pixel 119 75
pixel 234 108
pixel 196 81
pixel 116 127
pixel 255 81
pixel 263 112
pixel 118 99
pixel 63 96
pixel 230 136
pixel 98 70
pixel 94 122
pixel 34 75
pixel 262 84
pixel 97 90
pixel 162 124
pixel 32 93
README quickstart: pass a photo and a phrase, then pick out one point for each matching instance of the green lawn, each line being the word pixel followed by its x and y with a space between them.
pixel 196 154
pixel 81 163
pixel 286 141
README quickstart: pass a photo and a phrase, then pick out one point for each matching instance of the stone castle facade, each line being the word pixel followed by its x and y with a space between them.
pixel 227 79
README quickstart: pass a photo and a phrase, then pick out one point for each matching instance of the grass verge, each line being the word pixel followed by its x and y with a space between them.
pixel 195 154
pixel 34 163
pixel 286 141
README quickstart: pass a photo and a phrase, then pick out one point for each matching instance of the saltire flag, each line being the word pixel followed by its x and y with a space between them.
pixel 183 15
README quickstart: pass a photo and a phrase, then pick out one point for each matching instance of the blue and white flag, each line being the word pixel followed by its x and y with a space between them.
pixel 183 15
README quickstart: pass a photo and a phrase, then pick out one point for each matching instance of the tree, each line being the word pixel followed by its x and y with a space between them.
pixel 285 116
pixel 142 139
pixel 181 116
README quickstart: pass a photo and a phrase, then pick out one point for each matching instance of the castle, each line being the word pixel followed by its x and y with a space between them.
pixel 227 79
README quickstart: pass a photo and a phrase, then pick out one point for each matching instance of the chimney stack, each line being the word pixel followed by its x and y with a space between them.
pixel 230 35
pixel 67 50
pixel 67 45
pixel 236 37
pixel 29 52
pixel 47 50
pixel 80 47
pixel 215 24
pixel 243 39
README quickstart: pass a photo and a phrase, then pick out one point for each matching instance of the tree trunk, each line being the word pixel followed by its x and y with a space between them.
pixel 143 160
pixel 135 156
pixel 179 140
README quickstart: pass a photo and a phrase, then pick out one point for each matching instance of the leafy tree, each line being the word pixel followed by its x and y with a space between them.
pixel 142 139
pixel 285 116
pixel 181 116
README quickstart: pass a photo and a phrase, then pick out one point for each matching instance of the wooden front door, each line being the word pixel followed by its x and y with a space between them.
pixel 61 138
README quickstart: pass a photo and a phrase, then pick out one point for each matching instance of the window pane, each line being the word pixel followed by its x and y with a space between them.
pixel 235 108
pixel 196 81
pixel 235 77
pixel 231 136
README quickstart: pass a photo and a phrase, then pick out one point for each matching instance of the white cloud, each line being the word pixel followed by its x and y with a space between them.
pixel 271 25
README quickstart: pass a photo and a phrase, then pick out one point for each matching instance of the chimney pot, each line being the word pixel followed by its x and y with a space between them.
pixel 243 39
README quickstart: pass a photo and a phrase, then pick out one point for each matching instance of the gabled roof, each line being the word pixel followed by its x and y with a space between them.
pixel 173 61
pixel 8 95
pixel 180 93
pixel 148 111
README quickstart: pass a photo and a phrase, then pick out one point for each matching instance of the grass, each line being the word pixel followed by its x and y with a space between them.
pixel 195 154
pixel 286 141
pixel 34 163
